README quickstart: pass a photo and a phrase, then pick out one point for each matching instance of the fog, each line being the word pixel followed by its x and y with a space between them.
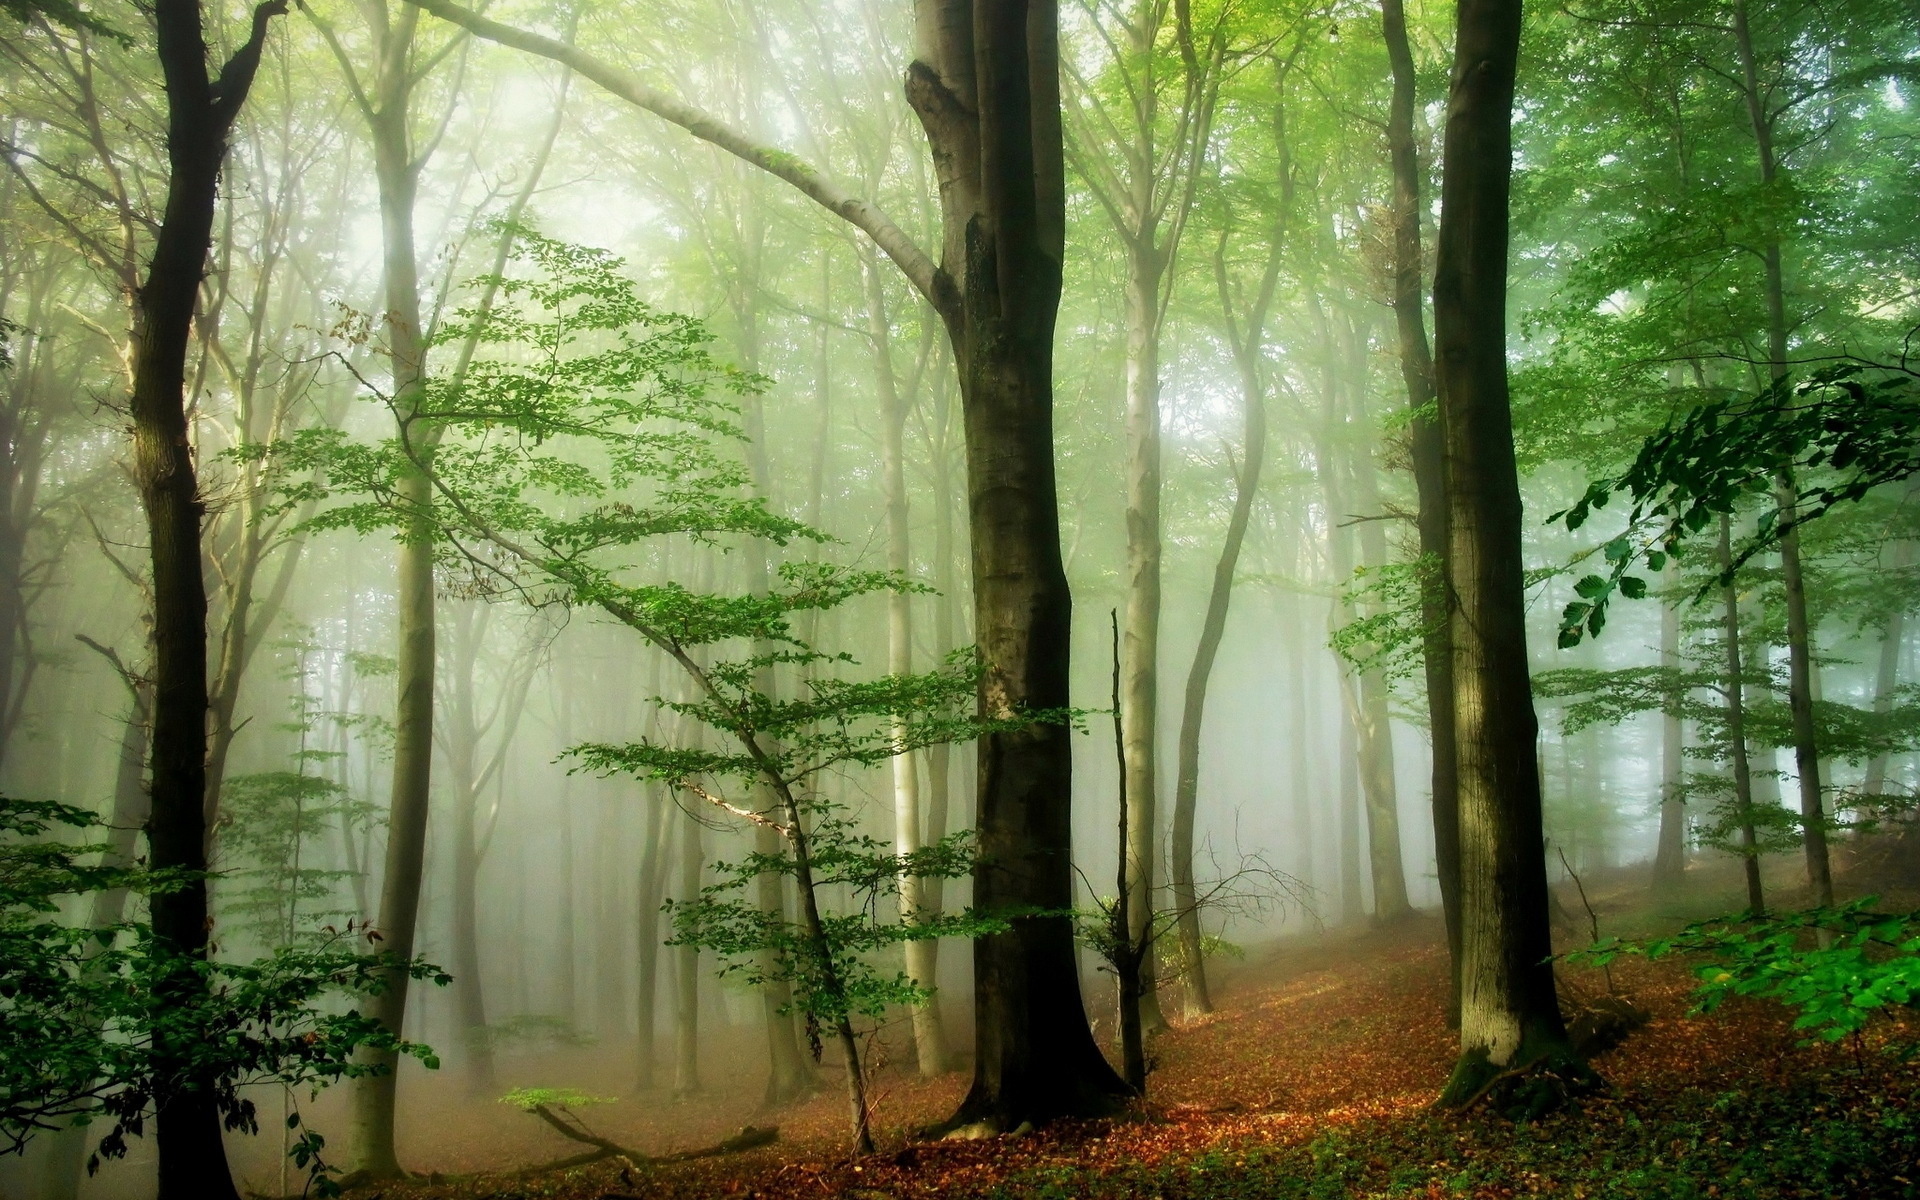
pixel 544 872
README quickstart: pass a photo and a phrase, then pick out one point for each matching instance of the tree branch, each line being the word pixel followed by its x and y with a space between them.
pixel 863 214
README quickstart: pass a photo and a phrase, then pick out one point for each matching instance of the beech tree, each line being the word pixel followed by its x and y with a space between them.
pixel 1512 1036
pixel 985 84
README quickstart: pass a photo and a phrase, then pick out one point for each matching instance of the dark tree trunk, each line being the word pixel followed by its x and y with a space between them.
pixel 1429 476
pixel 985 83
pixel 1510 1023
pixel 200 115
pixel 986 86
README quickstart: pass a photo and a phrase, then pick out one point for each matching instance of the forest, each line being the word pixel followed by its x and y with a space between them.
pixel 1191 599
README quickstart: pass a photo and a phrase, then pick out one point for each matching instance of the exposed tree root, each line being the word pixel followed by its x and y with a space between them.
pixel 1536 1085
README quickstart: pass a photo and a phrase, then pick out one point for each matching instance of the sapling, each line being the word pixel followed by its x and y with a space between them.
pixel 588 432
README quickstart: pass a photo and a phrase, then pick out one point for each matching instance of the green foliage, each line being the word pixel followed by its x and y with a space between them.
pixel 1861 963
pixel 764 947
pixel 85 1008
pixel 589 432
pixel 270 821
pixel 1389 631
pixel 1840 433
pixel 66 14
pixel 528 1099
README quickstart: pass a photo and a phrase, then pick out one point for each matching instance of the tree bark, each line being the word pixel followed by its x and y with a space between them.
pixel 1510 1023
pixel 200 116
pixel 1737 725
pixel 1248 348
pixel 686 969
pixel 985 85
pixel 1429 477
pixel 652 885
pixel 1373 717
pixel 372 1097
pixel 929 1035
pixel 1806 750
pixel 1887 670
pixel 1670 858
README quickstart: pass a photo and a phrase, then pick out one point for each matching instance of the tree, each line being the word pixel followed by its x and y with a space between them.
pixel 385 96
pixel 1512 1037
pixel 534 421
pixel 200 115
pixel 106 1028
pixel 985 84
pixel 1428 456
pixel 1143 165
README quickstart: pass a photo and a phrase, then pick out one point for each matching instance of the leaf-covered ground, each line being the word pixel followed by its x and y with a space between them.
pixel 1313 1080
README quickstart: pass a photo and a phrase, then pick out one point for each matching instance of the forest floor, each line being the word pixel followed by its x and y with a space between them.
pixel 1313 1080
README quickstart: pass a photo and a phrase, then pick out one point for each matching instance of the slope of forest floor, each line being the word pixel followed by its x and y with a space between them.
pixel 1312 1080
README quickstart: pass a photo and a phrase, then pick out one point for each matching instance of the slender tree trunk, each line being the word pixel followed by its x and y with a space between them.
pixel 1429 476
pixel 652 884
pixel 1670 859
pixel 372 1097
pixel 1346 813
pixel 1248 348
pixel 1806 752
pixel 1130 949
pixel 1140 639
pixel 463 750
pixel 686 976
pixel 929 1036
pixel 200 115
pixel 1737 726
pixel 1373 718
pixel 1893 641
pixel 1510 1022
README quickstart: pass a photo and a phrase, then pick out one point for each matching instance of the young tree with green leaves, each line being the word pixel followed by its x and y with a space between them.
pixel 591 432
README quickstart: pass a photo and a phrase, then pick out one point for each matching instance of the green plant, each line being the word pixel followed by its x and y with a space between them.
pixel 1838 967
pixel 80 1004
pixel 590 432
pixel 1841 432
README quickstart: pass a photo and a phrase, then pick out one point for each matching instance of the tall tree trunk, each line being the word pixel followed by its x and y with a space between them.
pixel 947 635
pixel 1346 813
pixel 1510 1022
pixel 462 745
pixel 1806 751
pixel 1670 858
pixel 1737 725
pixel 985 83
pixel 1143 165
pixel 1248 349
pixel 1429 477
pixel 652 885
pixel 1373 722
pixel 929 1036
pixel 1140 638
pixel 686 969
pixel 200 115
pixel 372 1097
pixel 1893 641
